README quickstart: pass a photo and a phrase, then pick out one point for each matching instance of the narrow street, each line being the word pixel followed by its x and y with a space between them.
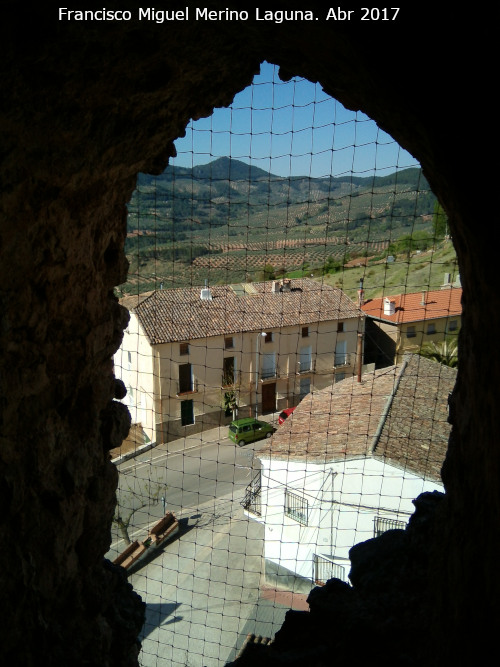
pixel 202 589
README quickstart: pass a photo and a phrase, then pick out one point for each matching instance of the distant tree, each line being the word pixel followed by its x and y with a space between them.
pixel 445 352
pixel 331 265
pixel 439 221
pixel 405 245
pixel 268 272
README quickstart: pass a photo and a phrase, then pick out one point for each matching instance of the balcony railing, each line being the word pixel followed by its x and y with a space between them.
pixel 252 500
pixel 306 366
pixel 268 373
pixel 343 359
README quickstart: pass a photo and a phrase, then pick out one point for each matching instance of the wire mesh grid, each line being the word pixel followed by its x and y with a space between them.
pixel 295 306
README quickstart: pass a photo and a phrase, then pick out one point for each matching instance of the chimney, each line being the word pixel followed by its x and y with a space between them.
pixel 422 303
pixel 206 294
pixel 361 293
pixel 285 285
pixel 389 306
pixel 447 281
pixel 275 287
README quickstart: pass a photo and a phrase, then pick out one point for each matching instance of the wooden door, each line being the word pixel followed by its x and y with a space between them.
pixel 269 397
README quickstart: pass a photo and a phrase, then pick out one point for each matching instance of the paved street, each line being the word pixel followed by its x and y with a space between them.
pixel 203 589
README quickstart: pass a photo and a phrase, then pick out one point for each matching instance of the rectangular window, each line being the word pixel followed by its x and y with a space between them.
pixel 228 371
pixel 340 327
pixel 305 361
pixel 431 328
pixel 268 366
pixel 452 325
pixel 184 349
pixel 304 387
pixel 382 524
pixel 228 342
pixel 185 378
pixel 296 507
pixel 187 413
pixel 269 337
pixel 305 332
pixel 411 332
pixel 341 353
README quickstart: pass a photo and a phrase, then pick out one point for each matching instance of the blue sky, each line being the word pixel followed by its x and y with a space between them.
pixel 292 129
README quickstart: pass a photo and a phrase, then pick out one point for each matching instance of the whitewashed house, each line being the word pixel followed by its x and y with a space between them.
pixel 346 466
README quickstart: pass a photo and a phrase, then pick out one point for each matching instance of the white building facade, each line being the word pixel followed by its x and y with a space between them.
pixel 336 476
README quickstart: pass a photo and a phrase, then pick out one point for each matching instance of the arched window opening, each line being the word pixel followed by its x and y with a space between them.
pixel 283 217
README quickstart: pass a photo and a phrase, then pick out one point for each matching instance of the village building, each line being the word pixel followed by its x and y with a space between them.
pixel 402 323
pixel 194 358
pixel 346 466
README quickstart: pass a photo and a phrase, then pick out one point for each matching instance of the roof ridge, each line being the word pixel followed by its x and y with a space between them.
pixel 387 407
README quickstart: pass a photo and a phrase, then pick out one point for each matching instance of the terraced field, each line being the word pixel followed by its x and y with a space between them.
pixel 225 222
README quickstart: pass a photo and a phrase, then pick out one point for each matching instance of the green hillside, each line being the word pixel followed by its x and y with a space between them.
pixel 227 220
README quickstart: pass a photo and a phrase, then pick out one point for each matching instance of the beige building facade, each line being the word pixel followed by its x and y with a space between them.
pixel 195 358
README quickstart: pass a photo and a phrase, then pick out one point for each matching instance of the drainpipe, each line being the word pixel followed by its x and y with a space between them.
pixel 359 353
pixel 387 407
pixel 263 333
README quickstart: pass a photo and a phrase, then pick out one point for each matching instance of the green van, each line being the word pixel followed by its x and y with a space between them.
pixel 242 431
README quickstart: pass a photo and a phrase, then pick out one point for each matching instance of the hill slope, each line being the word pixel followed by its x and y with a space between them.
pixel 248 217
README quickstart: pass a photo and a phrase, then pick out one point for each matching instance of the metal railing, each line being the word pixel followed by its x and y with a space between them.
pixel 325 569
pixel 343 359
pixel 252 500
pixel 308 366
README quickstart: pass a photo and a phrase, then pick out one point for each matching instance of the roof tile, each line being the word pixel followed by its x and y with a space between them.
pixel 180 314
pixel 341 421
pixel 417 306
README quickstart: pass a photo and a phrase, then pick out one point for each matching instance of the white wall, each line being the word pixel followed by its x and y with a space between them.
pixel 133 364
pixel 344 498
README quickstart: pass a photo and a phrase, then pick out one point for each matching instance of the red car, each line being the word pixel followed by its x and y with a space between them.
pixel 285 414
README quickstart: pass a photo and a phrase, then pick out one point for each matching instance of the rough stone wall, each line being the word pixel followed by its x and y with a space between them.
pixel 84 108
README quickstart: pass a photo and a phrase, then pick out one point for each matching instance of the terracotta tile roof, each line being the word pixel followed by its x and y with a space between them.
pixel 416 430
pixel 180 314
pixel 131 301
pixel 337 422
pixel 410 308
pixel 342 421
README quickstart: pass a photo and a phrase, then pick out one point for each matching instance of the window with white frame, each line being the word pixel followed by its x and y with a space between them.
pixel 305 359
pixel 341 353
pixel 383 524
pixel 296 507
pixel 268 365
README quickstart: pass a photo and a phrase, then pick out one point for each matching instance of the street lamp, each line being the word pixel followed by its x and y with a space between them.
pixel 261 334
